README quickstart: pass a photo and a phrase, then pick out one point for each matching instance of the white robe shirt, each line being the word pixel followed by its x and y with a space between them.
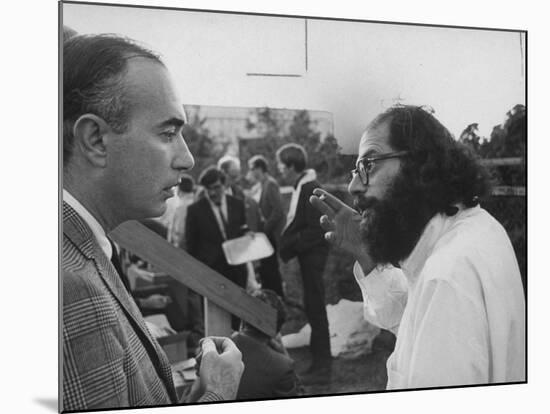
pixel 456 305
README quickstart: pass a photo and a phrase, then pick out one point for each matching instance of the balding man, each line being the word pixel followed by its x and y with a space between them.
pixel 123 151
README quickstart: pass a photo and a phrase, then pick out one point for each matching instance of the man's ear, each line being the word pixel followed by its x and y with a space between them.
pixel 89 137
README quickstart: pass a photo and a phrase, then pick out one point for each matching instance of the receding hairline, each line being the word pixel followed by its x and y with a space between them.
pixel 135 86
pixel 376 126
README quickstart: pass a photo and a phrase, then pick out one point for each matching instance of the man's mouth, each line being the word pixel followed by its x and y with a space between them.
pixel 169 190
pixel 362 204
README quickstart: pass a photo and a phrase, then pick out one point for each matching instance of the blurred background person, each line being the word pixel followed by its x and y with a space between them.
pixel 271 209
pixel 210 221
pixel 231 167
pixel 186 196
pixel 303 238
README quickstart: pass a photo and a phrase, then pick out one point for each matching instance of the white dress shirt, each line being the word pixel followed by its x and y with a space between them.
pixel 309 175
pixel 90 220
pixel 217 210
pixel 456 305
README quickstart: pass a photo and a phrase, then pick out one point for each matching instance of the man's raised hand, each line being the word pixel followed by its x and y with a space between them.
pixel 342 225
pixel 340 221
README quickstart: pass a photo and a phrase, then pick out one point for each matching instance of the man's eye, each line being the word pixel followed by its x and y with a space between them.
pixel 170 135
pixel 369 166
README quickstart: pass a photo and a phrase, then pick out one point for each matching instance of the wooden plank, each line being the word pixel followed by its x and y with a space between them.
pixel 504 190
pixel 217 321
pixel 498 162
pixel 194 274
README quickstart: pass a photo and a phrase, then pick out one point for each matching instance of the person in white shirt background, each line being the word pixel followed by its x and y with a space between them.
pixel 433 266
pixel 185 197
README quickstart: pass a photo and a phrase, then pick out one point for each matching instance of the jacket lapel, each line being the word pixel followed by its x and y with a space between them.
pixel 210 218
pixel 80 234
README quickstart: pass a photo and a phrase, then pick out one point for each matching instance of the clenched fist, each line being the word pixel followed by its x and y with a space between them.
pixel 220 367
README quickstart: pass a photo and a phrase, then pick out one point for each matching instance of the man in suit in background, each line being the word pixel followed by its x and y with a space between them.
pixel 303 238
pixel 123 151
pixel 271 207
pixel 231 167
pixel 210 221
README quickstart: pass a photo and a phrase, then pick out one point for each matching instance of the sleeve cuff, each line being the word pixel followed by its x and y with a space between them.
pixel 384 292
pixel 210 396
pixel 373 284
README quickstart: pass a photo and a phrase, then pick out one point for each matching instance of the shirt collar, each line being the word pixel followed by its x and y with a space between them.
pixel 306 176
pixel 434 230
pixel 222 205
pixel 93 224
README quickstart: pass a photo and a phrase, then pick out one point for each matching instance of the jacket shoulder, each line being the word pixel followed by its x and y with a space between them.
pixel 73 259
pixel 234 201
pixel 310 186
pixel 81 282
pixel 197 205
pixel 272 183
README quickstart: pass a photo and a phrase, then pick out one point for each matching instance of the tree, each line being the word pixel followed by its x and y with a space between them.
pixel 510 138
pixel 471 138
pixel 268 126
pixel 201 144
pixel 273 131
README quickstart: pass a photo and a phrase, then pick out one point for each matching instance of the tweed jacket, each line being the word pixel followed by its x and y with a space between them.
pixel 110 359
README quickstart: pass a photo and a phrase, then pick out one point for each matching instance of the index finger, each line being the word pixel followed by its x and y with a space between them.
pixel 331 201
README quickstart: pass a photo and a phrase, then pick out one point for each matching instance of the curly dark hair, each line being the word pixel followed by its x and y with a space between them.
pixel 437 174
pixel 210 175
pixel 445 171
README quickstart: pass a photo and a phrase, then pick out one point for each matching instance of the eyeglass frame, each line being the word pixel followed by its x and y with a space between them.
pixel 362 162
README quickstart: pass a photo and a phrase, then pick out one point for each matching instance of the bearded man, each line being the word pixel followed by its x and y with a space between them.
pixel 433 266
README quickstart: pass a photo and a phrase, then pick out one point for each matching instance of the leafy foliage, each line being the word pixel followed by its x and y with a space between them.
pixel 204 148
pixel 507 140
pixel 273 131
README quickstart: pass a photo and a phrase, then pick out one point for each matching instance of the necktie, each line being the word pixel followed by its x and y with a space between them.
pixel 116 263
pixel 224 223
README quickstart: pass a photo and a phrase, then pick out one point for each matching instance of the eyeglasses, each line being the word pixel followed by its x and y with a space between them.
pixel 365 165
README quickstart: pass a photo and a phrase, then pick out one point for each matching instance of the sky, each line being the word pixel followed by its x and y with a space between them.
pixel 354 70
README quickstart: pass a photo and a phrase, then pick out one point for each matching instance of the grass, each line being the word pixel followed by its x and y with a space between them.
pixel 366 373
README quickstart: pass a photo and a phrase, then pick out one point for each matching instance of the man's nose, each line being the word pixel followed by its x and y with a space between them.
pixel 356 186
pixel 183 159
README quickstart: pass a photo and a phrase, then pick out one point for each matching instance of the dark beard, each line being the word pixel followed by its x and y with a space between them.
pixel 392 226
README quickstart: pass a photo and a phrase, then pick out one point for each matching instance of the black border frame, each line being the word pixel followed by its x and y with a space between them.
pixel 216 11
